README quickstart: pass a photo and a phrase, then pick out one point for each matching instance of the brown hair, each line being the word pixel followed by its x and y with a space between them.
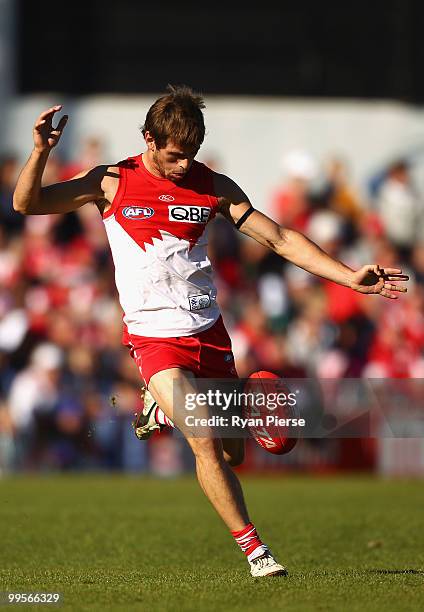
pixel 177 117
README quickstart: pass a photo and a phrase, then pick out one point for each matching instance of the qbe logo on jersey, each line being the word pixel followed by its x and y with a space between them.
pixel 189 214
pixel 138 212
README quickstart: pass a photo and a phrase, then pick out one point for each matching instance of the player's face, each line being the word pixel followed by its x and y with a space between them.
pixel 173 161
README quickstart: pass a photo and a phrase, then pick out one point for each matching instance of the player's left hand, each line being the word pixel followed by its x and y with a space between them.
pixel 383 281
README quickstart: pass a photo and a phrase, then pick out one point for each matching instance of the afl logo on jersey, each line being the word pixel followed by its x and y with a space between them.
pixel 189 214
pixel 137 212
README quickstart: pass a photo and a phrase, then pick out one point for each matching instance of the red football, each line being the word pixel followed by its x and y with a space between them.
pixel 271 436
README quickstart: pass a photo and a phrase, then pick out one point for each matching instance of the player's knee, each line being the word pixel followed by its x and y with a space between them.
pixel 236 459
pixel 235 456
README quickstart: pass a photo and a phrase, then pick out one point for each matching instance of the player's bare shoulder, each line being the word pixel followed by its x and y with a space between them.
pixel 230 195
pixel 109 186
pixel 227 191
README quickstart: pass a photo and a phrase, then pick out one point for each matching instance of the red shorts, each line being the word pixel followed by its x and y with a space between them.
pixel 207 354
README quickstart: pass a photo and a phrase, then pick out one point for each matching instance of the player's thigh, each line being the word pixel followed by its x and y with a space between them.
pixel 233 450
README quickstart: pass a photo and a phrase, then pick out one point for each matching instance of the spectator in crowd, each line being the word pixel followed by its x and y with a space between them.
pixel 400 208
pixel 290 202
pixel 34 393
pixel 337 194
pixel 91 153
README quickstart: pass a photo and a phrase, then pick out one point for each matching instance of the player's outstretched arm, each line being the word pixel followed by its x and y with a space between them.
pixel 299 250
pixel 30 198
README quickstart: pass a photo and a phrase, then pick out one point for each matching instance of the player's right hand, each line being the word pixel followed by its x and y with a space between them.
pixel 45 135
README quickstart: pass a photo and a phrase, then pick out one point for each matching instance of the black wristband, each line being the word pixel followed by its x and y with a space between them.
pixel 244 217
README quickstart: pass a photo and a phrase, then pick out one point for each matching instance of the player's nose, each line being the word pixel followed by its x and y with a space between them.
pixel 184 164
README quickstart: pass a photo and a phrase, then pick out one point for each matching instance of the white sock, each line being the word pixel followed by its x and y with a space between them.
pixel 162 419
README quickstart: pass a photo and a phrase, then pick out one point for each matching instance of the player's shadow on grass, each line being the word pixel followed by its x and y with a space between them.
pixel 396 571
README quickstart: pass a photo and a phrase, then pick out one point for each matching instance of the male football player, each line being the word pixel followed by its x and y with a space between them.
pixel 155 207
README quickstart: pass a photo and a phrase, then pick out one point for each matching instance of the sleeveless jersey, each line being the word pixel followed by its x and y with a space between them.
pixel 158 239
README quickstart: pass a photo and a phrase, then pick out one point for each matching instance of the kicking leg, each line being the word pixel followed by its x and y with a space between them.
pixel 215 476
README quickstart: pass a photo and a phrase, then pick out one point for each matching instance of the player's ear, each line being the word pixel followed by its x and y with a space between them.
pixel 150 141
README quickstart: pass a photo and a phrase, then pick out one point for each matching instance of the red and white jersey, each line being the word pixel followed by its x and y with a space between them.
pixel 157 235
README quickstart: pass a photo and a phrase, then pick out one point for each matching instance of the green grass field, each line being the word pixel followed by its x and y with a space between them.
pixel 132 543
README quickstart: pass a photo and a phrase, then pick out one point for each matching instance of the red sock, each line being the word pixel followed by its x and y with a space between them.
pixel 249 542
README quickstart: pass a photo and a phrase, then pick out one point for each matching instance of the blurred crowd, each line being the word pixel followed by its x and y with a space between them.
pixel 69 389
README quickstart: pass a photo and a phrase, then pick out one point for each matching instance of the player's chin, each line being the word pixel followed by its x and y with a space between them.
pixel 175 177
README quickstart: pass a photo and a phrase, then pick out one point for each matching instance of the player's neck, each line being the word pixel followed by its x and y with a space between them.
pixel 149 164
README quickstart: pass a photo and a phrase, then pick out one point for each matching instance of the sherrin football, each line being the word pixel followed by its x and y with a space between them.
pixel 267 429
